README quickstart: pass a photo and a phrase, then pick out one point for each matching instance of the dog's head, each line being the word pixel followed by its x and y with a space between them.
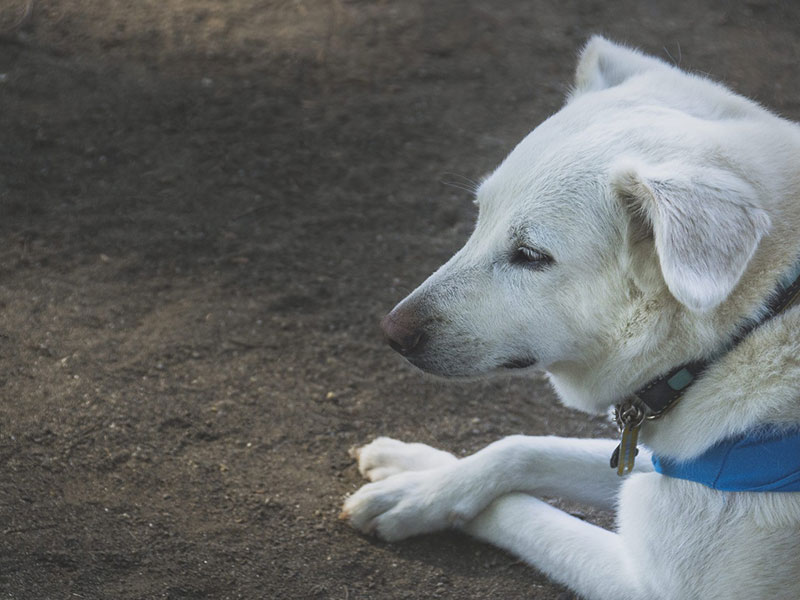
pixel 611 243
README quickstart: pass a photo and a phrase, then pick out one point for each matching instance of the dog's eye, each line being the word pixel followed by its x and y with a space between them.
pixel 532 258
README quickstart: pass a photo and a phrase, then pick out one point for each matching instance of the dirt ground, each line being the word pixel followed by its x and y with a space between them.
pixel 207 207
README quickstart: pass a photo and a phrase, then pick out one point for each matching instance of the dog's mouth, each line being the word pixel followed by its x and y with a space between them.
pixel 519 363
pixel 467 371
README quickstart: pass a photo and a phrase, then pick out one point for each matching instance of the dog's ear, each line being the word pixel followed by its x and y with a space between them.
pixel 704 222
pixel 603 64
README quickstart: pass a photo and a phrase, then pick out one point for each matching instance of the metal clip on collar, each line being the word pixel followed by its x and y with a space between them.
pixel 629 416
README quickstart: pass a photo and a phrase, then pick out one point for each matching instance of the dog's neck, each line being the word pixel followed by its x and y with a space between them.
pixel 756 383
pixel 662 393
pixel 652 401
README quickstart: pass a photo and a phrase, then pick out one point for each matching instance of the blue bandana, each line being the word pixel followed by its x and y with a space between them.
pixel 764 460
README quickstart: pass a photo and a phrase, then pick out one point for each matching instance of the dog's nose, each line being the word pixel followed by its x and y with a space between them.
pixel 401 333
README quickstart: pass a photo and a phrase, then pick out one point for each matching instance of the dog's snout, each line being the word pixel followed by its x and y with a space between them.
pixel 402 333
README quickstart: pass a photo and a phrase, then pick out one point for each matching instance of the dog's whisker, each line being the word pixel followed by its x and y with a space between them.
pixel 458 186
pixel 460 181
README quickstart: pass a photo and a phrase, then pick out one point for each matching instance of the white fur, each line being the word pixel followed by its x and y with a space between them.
pixel 671 208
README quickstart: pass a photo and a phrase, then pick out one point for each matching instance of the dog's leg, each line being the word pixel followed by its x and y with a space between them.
pixel 442 491
pixel 590 560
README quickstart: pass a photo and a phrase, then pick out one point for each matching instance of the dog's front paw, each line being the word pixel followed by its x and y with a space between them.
pixel 409 504
pixel 385 457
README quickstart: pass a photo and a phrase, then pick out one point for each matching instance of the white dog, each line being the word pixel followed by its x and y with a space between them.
pixel 643 238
